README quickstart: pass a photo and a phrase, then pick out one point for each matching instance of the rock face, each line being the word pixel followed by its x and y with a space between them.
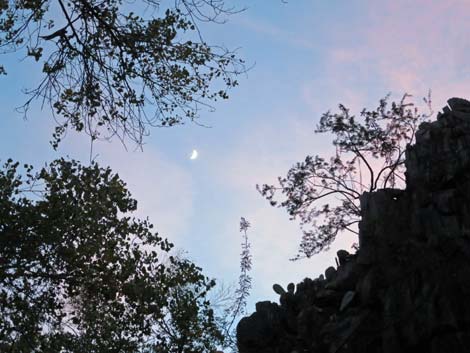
pixel 407 288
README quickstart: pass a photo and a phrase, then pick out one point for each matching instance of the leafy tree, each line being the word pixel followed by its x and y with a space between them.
pixel 323 193
pixel 79 274
pixel 111 69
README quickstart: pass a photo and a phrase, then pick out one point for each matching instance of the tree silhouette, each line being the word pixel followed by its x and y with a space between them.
pixel 112 68
pixel 323 193
pixel 79 274
pixel 229 302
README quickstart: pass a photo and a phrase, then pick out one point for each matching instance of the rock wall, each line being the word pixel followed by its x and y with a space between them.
pixel 407 288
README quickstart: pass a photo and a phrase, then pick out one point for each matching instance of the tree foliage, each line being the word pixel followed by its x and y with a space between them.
pixel 323 193
pixel 79 274
pixel 111 67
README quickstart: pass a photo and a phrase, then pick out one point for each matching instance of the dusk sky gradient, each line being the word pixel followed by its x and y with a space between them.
pixel 307 56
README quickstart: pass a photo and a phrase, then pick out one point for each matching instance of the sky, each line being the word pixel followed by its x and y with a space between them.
pixel 306 56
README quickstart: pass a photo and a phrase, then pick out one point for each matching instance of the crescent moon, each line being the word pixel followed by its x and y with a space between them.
pixel 194 155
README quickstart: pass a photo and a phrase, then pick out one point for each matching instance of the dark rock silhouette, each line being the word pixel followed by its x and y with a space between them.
pixel 407 288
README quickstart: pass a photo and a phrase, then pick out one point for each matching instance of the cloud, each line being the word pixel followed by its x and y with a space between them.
pixel 263 153
pixel 401 47
pixel 157 183
pixel 426 46
pixel 274 32
pixel 162 187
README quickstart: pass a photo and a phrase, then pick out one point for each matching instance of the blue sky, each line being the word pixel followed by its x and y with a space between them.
pixel 308 56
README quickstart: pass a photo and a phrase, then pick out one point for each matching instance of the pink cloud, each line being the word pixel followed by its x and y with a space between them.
pixel 417 45
pixel 403 47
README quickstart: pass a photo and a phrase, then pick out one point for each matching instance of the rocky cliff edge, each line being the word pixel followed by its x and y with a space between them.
pixel 407 288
